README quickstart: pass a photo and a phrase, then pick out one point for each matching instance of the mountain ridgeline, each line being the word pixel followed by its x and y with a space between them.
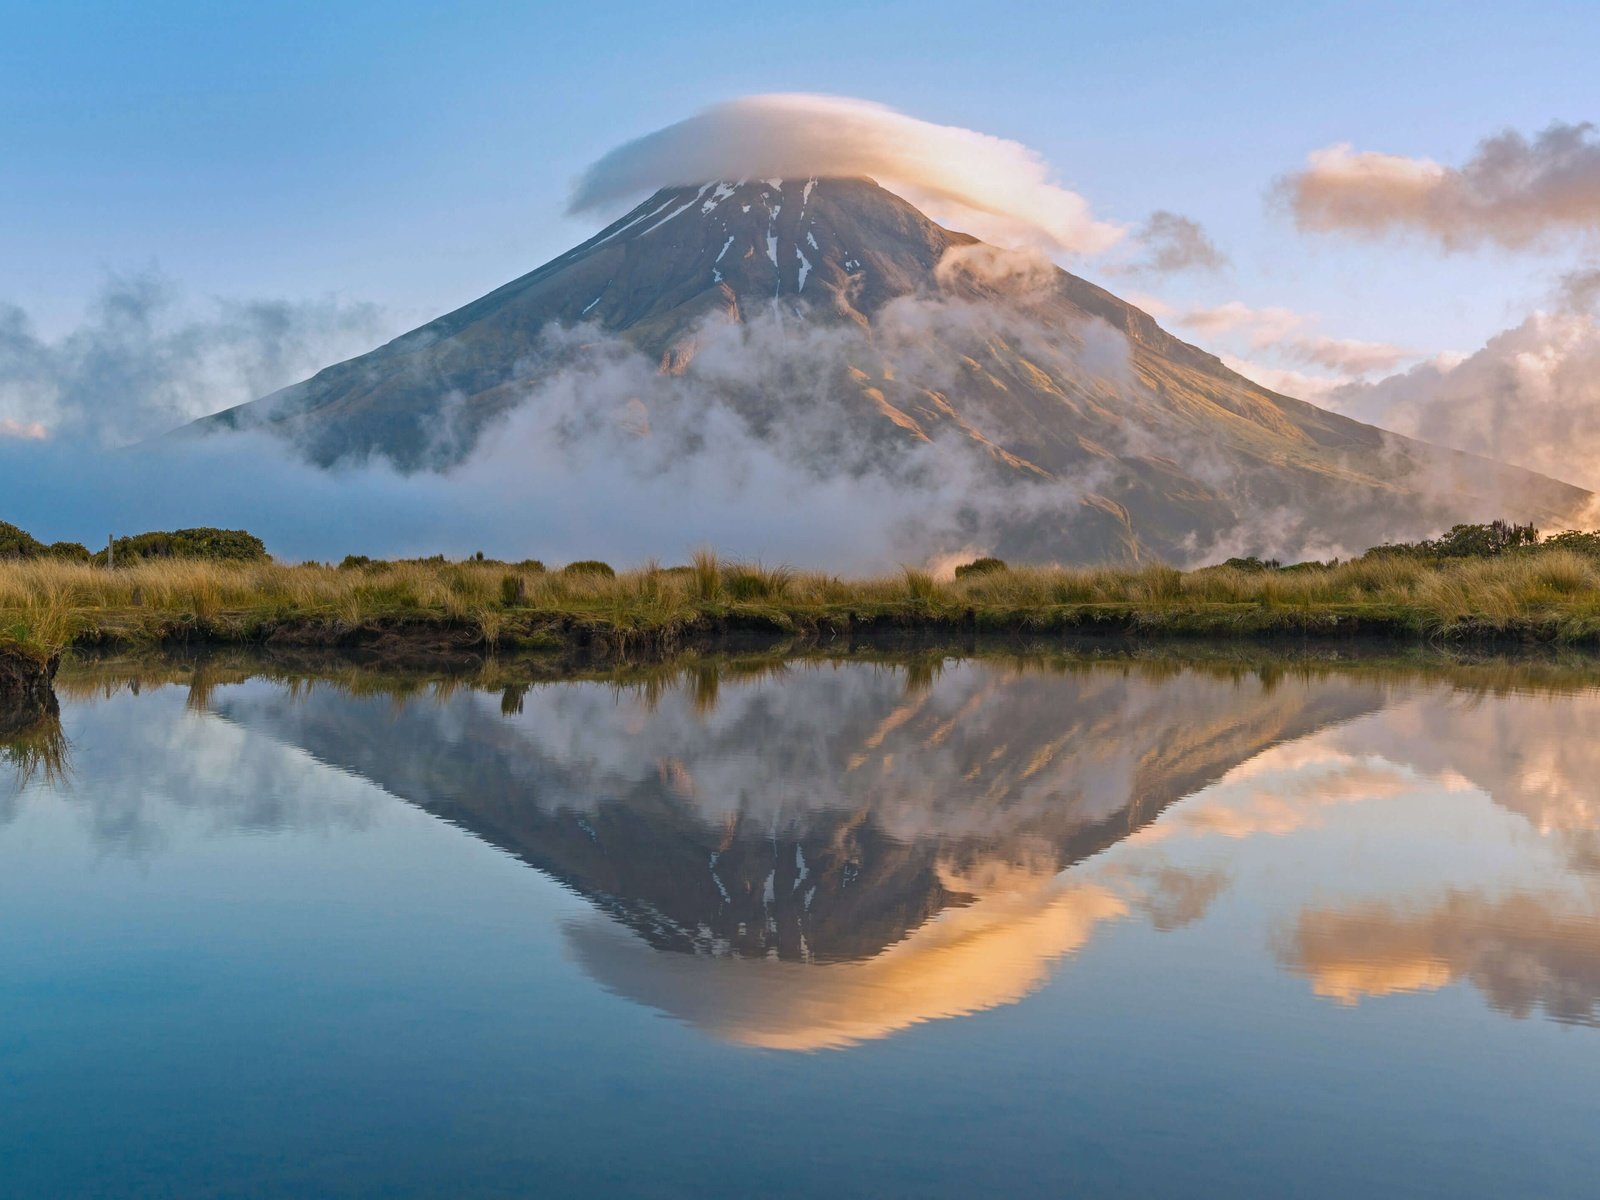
pixel 1095 434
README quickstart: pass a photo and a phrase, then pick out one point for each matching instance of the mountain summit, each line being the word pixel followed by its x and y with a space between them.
pixel 1110 437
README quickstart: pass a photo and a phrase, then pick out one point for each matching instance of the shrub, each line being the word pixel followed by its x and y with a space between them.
pixel 231 545
pixel 1253 563
pixel 589 566
pixel 352 562
pixel 1574 540
pixel 18 543
pixel 531 565
pixel 1463 541
pixel 981 566
pixel 69 552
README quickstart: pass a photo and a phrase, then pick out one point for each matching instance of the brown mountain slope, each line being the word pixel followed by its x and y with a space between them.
pixel 911 333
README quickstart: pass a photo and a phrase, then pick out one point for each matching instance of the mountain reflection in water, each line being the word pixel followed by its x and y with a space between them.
pixel 817 854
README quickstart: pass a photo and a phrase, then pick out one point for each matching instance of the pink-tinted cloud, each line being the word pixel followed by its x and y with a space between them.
pixel 1513 192
pixel 1285 335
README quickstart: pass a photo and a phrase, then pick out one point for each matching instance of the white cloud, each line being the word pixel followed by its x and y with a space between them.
pixel 996 189
pixel 1531 396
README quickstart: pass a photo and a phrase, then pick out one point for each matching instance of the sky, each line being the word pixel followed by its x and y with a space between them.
pixel 415 156
pixel 363 167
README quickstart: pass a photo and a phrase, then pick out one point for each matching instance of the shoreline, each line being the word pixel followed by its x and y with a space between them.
pixel 446 654
pixel 597 633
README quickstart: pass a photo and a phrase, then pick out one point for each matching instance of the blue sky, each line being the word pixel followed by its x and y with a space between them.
pixel 417 155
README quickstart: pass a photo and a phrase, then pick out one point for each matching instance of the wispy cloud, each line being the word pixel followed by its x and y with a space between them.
pixel 1173 244
pixel 1285 334
pixel 35 431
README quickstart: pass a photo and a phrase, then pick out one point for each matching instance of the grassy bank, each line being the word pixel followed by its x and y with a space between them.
pixel 1551 596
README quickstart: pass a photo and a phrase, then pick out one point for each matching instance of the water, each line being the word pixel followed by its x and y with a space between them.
pixel 934 928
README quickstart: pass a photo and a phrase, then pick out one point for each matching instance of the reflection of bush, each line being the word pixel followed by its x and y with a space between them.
pixel 39 750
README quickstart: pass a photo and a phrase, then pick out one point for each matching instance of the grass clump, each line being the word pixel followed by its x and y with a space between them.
pixel 746 583
pixel 513 591
pixel 705 576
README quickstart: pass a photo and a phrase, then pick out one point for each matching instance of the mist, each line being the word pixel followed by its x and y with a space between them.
pixel 146 358
pixel 1530 396
pixel 753 450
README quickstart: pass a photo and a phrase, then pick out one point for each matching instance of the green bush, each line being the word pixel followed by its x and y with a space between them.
pixel 19 543
pixel 232 545
pixel 981 566
pixel 1463 541
pixel 1575 540
pixel 352 562
pixel 1252 563
pixel 589 566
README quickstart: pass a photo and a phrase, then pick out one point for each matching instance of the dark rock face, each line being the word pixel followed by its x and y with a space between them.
pixel 938 336
pixel 25 693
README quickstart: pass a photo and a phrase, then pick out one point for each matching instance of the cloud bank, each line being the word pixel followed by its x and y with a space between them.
pixel 143 362
pixel 1531 397
pixel 996 189
pixel 1514 192
pixel 604 455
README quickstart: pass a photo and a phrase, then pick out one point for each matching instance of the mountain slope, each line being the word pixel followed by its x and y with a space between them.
pixel 912 334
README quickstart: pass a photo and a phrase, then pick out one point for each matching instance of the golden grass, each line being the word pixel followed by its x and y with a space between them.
pixel 48 603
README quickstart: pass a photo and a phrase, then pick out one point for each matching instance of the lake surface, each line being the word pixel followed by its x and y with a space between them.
pixel 983 927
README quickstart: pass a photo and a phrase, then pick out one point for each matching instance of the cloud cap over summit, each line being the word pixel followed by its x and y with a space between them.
pixel 997 189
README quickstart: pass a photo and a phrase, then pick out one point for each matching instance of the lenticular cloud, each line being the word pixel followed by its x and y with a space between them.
pixel 997 189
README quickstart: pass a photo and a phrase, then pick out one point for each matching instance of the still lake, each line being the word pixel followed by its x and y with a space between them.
pixel 992 926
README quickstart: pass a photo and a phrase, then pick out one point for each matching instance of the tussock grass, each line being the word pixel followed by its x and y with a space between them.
pixel 47 603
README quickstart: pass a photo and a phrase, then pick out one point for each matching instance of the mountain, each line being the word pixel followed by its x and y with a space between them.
pixel 1108 436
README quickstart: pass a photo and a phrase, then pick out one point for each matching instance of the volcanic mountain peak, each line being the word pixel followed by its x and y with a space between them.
pixel 1152 445
pixel 843 245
